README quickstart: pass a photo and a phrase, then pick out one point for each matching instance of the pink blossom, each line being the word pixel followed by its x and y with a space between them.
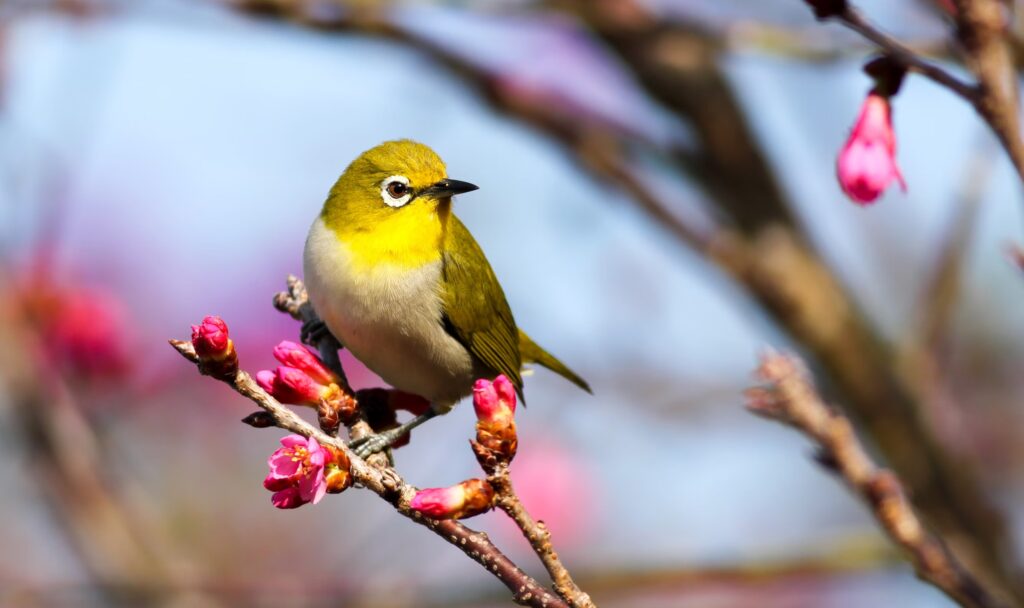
pixel 494 402
pixel 297 472
pixel 210 338
pixel 559 487
pixel 89 333
pixel 867 163
pixel 466 499
pixel 299 357
pixel 291 385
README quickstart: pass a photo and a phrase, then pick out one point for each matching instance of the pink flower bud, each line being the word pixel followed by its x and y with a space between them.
pixel 494 402
pixel 867 163
pixel 290 385
pixel 299 357
pixel 466 499
pixel 210 338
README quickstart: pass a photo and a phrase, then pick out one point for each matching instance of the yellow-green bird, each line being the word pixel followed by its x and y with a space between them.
pixel 403 285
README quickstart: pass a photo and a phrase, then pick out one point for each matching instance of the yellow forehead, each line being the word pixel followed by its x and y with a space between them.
pixel 405 157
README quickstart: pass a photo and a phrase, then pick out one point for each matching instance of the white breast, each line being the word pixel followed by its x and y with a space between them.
pixel 389 318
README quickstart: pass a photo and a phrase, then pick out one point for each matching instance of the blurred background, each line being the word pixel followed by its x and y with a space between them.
pixel 657 196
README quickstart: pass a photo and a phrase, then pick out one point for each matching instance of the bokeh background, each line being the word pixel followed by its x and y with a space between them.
pixel 162 160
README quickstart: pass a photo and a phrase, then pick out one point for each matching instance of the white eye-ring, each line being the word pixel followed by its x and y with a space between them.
pixel 395 191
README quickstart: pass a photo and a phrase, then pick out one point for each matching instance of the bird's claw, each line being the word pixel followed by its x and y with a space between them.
pixel 313 331
pixel 365 447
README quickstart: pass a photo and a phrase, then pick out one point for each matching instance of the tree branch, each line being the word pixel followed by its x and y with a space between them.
pixel 791 398
pixel 855 20
pixel 983 32
pixel 538 535
pixel 387 484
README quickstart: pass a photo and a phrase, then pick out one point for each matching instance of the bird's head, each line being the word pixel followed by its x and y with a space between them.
pixel 395 177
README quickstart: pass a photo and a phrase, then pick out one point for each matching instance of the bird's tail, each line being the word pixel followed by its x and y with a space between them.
pixel 531 352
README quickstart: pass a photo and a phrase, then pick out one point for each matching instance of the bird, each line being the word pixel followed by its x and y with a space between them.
pixel 402 284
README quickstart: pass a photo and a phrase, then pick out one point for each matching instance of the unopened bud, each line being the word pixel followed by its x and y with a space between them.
pixel 299 357
pixel 214 347
pixel 494 402
pixel 290 385
pixel 867 163
pixel 466 499
pixel 495 406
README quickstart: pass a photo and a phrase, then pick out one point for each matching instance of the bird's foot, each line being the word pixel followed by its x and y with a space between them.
pixel 313 331
pixel 371 444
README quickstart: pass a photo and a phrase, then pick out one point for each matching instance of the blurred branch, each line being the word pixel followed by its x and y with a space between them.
pixel 66 462
pixel 928 347
pixel 853 19
pixel 385 481
pixel 791 398
pixel 983 30
pixel 745 576
pixel 679 65
pixel 943 285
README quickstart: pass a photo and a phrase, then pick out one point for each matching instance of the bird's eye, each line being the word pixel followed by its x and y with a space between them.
pixel 395 191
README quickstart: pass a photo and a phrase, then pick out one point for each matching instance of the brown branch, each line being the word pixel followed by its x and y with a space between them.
pixel 855 20
pixel 984 33
pixel 387 484
pixel 537 534
pixel 791 398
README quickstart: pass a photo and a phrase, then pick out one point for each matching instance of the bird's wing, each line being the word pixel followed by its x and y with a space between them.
pixel 475 310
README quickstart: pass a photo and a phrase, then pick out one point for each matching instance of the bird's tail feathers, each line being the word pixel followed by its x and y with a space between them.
pixel 531 352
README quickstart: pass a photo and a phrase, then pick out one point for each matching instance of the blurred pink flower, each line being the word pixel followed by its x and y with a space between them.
pixel 494 402
pixel 867 163
pixel 466 499
pixel 297 472
pixel 558 487
pixel 87 331
pixel 210 338
pixel 299 357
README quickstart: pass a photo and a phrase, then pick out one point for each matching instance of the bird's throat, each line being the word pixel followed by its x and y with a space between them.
pixel 407 239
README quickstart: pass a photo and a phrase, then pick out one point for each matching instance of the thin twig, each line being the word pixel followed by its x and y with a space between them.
pixel 387 484
pixel 537 534
pixel 790 398
pixel 853 19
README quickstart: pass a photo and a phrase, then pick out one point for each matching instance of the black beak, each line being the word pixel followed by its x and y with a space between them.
pixel 450 187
